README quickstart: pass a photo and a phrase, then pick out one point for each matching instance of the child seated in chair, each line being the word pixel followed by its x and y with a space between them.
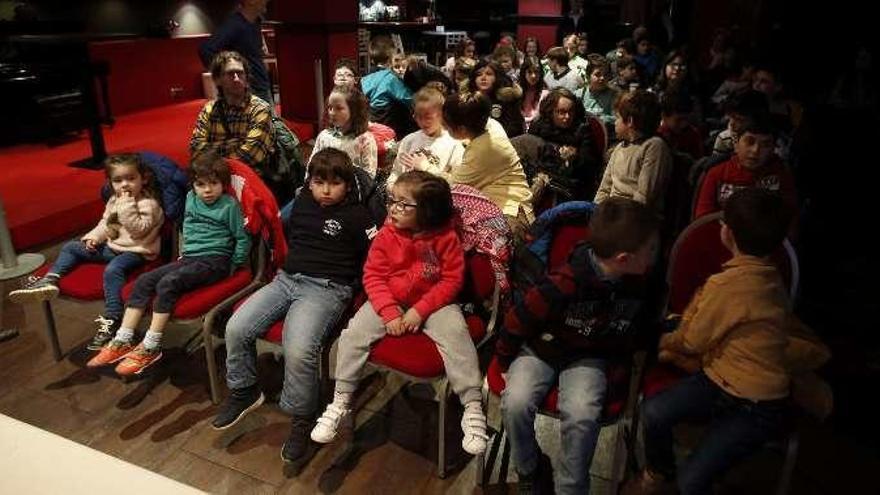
pixel 412 276
pixel 563 328
pixel 754 164
pixel 328 234
pixel 431 148
pixel 640 165
pixel 735 335
pixel 215 243
pixel 489 163
pixel 127 236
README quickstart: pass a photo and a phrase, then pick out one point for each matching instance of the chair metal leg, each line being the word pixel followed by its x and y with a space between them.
pixel 441 440
pixel 210 362
pixel 52 330
pixel 791 451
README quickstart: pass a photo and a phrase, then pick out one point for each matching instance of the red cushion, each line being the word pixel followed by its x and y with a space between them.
pixel 699 254
pixel 480 279
pixel 563 241
pixel 600 136
pixel 196 303
pixel 86 281
pixel 415 354
pixel 304 130
pixel 618 389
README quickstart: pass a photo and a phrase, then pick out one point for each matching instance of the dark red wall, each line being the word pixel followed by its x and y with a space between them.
pixel 533 24
pixel 143 71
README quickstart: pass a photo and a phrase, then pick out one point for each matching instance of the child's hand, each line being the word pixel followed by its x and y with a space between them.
pixel 412 320
pixel 90 244
pixel 412 161
pixel 567 152
pixel 394 327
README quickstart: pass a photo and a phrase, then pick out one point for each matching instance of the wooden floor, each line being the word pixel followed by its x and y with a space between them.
pixel 162 422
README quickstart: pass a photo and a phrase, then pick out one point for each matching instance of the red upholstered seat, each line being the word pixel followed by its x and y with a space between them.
pixel 86 281
pixel 599 135
pixel 415 353
pixel 196 303
pixel 304 130
pixel 697 255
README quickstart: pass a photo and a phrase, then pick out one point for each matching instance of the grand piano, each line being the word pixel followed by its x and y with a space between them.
pixel 50 88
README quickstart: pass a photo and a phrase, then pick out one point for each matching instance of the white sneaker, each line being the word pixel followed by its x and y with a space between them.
pixel 473 424
pixel 36 289
pixel 328 424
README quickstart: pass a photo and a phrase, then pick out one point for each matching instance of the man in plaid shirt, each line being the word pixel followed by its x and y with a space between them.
pixel 237 124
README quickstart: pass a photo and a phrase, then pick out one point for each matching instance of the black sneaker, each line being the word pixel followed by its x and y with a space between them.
pixel 36 289
pixel 298 444
pixel 540 481
pixel 240 402
pixel 107 328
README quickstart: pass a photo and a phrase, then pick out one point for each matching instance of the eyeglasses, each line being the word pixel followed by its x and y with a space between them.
pixel 678 66
pixel 399 204
pixel 233 72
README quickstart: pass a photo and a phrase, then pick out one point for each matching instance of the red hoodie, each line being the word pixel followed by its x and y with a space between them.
pixel 423 271
pixel 728 177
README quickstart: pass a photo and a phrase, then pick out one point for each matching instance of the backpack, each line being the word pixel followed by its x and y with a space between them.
pixel 532 257
pixel 285 169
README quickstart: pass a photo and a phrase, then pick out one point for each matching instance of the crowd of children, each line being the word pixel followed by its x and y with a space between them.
pixel 457 125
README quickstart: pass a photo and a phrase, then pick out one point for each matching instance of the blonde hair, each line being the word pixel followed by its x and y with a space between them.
pixel 429 96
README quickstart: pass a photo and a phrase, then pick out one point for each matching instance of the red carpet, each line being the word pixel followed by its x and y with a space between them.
pixel 46 200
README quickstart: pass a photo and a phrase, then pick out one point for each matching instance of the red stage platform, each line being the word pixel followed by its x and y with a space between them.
pixel 46 200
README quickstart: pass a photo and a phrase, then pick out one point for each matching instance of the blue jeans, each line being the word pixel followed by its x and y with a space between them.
pixel 312 307
pixel 118 266
pixel 581 396
pixel 738 427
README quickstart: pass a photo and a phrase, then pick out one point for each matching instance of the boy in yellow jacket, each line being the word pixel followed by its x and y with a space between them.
pixel 738 334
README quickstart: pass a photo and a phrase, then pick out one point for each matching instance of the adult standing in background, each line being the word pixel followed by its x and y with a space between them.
pixel 241 32
pixel 574 20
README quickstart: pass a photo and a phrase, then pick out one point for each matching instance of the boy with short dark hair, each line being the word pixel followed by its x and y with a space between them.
pixel 754 164
pixel 328 233
pixel 738 336
pixel 559 73
pixel 565 327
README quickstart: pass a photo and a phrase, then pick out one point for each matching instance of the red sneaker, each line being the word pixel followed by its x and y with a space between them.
pixel 138 360
pixel 110 353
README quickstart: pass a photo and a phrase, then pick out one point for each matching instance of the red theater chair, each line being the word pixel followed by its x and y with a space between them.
pixel 415 356
pixel 696 255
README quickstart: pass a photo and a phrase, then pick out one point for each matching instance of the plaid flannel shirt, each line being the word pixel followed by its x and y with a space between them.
pixel 243 132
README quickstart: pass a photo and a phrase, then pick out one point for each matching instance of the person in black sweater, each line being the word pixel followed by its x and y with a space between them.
pixel 328 235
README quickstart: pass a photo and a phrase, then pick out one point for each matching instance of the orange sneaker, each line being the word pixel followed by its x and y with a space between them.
pixel 138 360
pixel 110 353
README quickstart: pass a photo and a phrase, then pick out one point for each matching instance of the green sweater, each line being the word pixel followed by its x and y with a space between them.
pixel 215 229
